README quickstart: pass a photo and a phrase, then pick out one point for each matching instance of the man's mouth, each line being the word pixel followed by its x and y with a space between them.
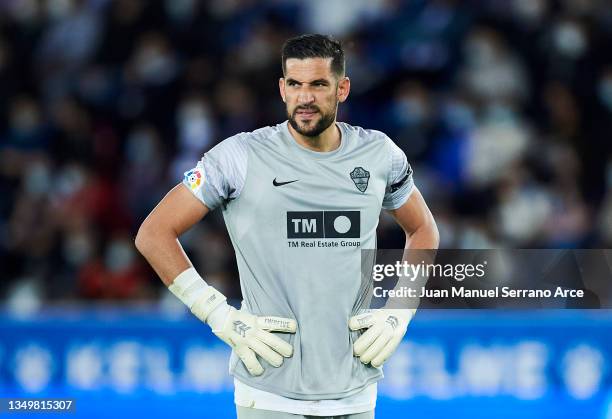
pixel 306 113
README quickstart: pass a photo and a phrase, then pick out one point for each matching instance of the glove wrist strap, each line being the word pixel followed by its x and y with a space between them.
pixel 207 303
pixel 195 293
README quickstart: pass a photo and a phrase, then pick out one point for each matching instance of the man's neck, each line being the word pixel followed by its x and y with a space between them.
pixel 328 140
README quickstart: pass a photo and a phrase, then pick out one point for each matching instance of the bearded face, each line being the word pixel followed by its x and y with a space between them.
pixel 311 92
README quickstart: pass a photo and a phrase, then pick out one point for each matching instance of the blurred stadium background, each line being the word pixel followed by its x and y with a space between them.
pixel 504 108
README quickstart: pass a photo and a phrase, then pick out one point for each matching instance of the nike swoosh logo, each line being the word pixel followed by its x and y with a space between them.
pixel 275 183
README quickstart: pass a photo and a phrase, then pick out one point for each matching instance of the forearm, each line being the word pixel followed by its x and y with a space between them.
pixel 165 254
pixel 425 236
pixel 163 251
pixel 420 247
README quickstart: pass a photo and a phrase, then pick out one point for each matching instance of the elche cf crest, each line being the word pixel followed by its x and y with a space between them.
pixel 360 177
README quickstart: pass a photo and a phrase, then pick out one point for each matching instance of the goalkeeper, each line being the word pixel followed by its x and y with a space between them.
pixel 300 200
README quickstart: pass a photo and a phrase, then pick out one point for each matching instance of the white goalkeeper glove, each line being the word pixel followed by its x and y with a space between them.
pixel 246 333
pixel 386 328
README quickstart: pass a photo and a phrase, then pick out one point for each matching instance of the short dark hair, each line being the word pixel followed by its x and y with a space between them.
pixel 314 46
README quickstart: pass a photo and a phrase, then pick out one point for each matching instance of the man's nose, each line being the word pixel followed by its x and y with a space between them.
pixel 305 97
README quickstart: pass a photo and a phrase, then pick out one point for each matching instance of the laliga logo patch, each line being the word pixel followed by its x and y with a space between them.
pixel 194 178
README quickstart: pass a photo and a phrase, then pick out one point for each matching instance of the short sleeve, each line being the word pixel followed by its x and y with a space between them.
pixel 399 182
pixel 219 176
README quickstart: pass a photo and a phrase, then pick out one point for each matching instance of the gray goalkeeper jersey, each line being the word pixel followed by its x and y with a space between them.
pixel 298 220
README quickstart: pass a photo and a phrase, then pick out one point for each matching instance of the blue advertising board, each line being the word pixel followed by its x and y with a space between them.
pixel 455 363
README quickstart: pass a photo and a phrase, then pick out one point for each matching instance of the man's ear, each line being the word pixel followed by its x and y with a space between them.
pixel 281 88
pixel 344 87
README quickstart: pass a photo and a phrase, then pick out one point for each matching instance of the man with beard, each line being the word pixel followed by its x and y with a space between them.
pixel 300 200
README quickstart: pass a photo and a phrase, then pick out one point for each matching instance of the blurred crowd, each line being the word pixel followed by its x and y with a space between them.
pixel 503 107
